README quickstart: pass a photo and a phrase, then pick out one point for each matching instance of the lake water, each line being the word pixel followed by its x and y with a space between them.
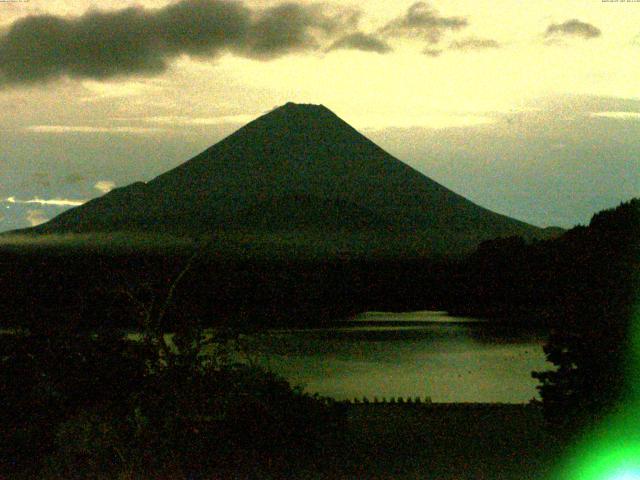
pixel 377 354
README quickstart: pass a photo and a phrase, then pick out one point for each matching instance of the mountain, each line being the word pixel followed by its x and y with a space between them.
pixel 298 168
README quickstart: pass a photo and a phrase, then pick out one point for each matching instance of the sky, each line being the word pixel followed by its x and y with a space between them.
pixel 531 109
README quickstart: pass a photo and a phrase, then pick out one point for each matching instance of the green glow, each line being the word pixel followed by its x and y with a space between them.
pixel 626 475
pixel 612 450
pixel 610 454
pixel 634 354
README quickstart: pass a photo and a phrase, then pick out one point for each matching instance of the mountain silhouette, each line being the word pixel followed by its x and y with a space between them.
pixel 298 168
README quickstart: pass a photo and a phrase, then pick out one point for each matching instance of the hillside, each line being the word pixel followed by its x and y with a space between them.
pixel 299 168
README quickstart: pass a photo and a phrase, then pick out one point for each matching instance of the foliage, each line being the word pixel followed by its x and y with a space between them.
pixel 591 343
pixel 46 380
pixel 582 286
pixel 79 403
pixel 92 285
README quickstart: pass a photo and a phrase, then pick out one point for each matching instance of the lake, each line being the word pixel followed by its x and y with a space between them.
pixel 426 354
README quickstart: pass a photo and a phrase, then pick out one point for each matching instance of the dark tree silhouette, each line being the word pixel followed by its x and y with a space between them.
pixel 84 402
pixel 591 340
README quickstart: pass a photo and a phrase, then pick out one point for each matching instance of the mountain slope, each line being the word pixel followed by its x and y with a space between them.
pixel 297 168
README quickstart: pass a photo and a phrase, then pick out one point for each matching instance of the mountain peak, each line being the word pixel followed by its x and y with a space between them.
pixel 303 109
pixel 299 168
pixel 307 106
pixel 313 124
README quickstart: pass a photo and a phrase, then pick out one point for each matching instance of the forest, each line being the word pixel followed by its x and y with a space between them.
pixel 83 401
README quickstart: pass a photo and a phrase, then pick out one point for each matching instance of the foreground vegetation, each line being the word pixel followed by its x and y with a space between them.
pixel 262 430
pixel 82 401
pixel 585 287
pixel 98 406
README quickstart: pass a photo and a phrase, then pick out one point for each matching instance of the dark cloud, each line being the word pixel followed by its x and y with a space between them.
pixel 104 44
pixel 361 41
pixel 473 43
pixel 423 21
pixel 292 27
pixel 97 44
pixel 573 27
pixel 432 52
pixel 464 45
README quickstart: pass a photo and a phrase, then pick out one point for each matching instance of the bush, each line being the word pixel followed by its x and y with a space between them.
pixel 231 418
pixel 92 444
pixel 87 406
pixel 47 380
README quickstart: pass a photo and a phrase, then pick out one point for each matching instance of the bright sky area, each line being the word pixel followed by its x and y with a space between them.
pixel 531 109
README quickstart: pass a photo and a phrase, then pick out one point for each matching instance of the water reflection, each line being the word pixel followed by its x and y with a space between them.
pixel 416 354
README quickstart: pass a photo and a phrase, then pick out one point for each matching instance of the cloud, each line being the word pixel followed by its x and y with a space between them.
pixel 463 45
pixel 432 52
pixel 432 121
pixel 184 120
pixel 574 28
pixel 422 21
pixel 361 41
pixel 109 90
pixel 138 41
pixel 570 106
pixel 473 43
pixel 104 186
pixel 36 217
pixel 290 27
pixel 62 202
pixel 616 115
pixel 88 129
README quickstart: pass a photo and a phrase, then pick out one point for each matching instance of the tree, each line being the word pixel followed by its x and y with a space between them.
pixel 592 342
pixel 204 410
pixel 92 403
pixel 48 379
